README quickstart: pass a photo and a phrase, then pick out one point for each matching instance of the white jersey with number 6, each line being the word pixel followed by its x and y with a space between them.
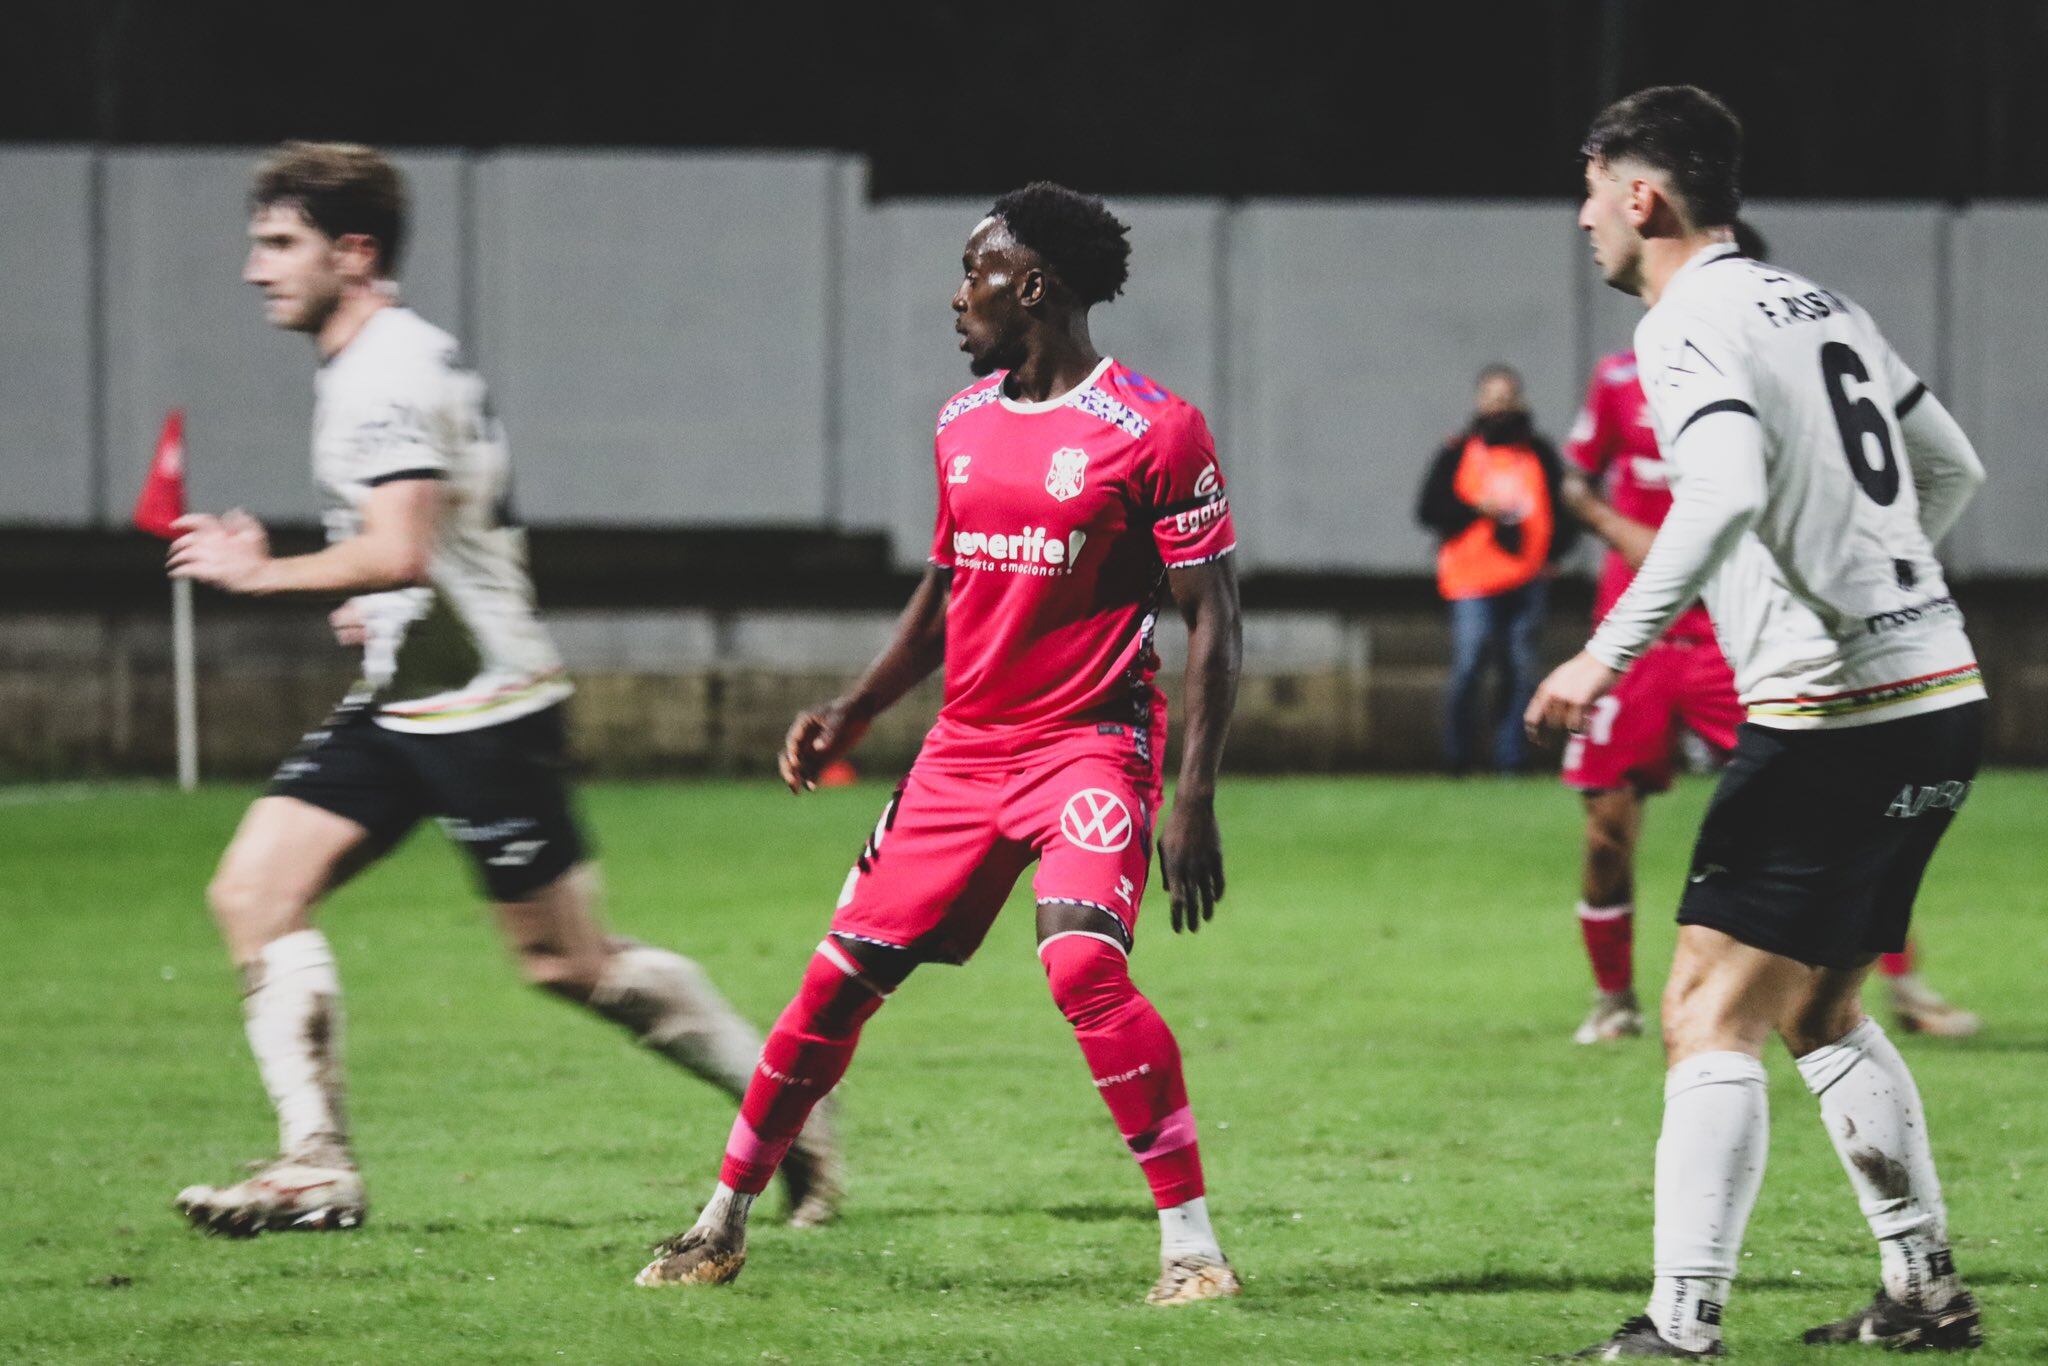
pixel 1831 605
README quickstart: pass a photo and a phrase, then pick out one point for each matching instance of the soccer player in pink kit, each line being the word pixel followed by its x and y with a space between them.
pixel 1073 492
pixel 1625 752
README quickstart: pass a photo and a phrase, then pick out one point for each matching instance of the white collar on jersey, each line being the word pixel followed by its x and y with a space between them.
pixel 1705 256
pixel 1057 400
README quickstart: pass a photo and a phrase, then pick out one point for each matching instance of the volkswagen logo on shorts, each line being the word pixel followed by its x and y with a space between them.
pixel 1097 821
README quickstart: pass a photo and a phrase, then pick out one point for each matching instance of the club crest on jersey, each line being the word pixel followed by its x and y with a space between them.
pixel 958 474
pixel 1067 473
pixel 1097 821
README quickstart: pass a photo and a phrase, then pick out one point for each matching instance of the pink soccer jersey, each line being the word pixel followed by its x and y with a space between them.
pixel 1612 441
pixel 1059 520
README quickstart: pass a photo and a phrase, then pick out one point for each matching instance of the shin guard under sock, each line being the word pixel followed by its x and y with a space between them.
pixel 1133 1058
pixel 1710 1165
pixel 806 1054
pixel 1872 1111
pixel 292 1014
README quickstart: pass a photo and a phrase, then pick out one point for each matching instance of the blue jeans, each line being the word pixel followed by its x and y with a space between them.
pixel 1506 626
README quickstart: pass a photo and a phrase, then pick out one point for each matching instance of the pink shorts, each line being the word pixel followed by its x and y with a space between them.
pixel 1630 733
pixel 957 835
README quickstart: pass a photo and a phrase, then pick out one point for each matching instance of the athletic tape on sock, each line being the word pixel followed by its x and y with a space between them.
pixel 1828 1064
pixel 300 951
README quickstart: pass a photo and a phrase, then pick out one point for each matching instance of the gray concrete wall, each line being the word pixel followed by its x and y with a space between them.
pixel 48 357
pixel 1356 332
pixel 745 339
pixel 655 329
pixel 1999 374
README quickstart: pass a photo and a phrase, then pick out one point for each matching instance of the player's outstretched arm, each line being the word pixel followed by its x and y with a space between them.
pixel 1718 500
pixel 823 734
pixel 393 550
pixel 1190 845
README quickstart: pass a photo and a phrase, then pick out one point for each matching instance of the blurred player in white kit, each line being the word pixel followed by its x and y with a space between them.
pixel 458 714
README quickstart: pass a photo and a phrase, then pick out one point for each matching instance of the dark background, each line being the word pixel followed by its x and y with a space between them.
pixel 1942 99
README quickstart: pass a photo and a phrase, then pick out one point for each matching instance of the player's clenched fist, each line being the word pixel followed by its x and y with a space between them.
pixel 816 738
pixel 1561 701
pixel 230 551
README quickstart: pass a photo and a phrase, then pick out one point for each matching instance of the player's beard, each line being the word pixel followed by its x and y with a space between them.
pixel 311 310
pixel 1005 349
pixel 1621 270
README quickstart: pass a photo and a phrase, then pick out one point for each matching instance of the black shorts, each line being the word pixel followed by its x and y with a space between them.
pixel 1816 840
pixel 501 791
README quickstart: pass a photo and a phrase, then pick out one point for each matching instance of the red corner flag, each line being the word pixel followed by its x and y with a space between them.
pixel 162 500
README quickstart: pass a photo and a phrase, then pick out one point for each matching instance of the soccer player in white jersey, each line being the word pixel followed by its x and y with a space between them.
pixel 1815 474
pixel 458 714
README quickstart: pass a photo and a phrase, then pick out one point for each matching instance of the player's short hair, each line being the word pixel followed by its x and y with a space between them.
pixel 341 187
pixel 1684 132
pixel 1085 244
pixel 1750 242
pixel 1500 369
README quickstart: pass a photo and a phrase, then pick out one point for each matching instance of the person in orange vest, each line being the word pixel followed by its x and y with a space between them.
pixel 1492 498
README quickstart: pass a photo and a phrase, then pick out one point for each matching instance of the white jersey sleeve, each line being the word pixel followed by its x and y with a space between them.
pixel 1945 467
pixel 1946 470
pixel 1823 585
pixel 1720 491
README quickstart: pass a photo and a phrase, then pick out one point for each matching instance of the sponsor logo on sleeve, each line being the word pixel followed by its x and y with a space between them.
pixel 1195 518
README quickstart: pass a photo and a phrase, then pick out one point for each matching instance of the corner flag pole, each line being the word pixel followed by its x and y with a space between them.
pixel 184 681
pixel 160 504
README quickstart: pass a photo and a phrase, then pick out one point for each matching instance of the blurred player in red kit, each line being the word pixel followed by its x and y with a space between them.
pixel 1683 683
pixel 1074 493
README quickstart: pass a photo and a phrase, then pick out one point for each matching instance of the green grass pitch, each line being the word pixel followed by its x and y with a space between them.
pixel 1407 1158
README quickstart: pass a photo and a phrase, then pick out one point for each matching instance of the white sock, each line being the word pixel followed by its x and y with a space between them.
pixel 292 1014
pixel 1710 1164
pixel 670 1005
pixel 1872 1112
pixel 727 1212
pixel 1184 1231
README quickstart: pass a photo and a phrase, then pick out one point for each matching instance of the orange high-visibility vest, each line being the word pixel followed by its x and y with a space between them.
pixel 1472 564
